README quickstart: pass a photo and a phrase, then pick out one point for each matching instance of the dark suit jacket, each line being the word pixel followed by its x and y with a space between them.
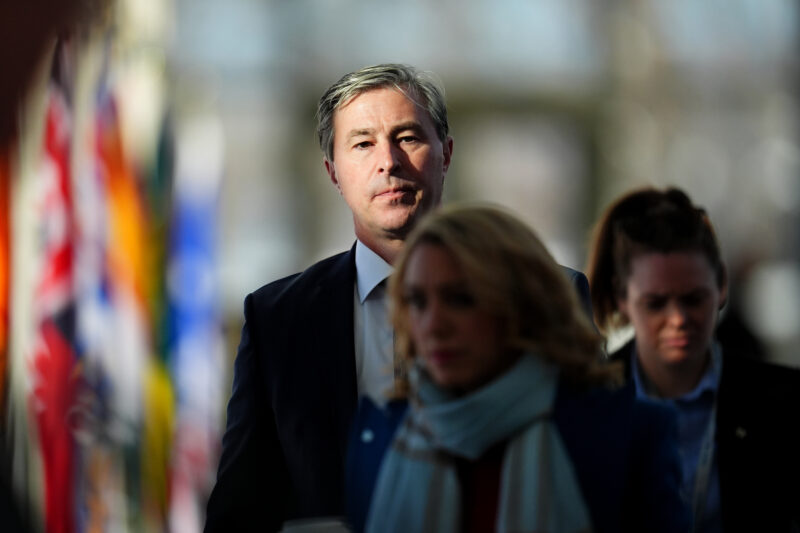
pixel 624 452
pixel 758 443
pixel 293 399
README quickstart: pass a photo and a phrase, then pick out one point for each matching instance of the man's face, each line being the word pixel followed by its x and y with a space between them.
pixel 388 163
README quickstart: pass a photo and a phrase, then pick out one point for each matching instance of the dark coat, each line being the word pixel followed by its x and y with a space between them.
pixel 294 396
pixel 624 452
pixel 757 442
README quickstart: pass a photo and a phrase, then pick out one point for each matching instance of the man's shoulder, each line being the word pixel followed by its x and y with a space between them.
pixel 571 273
pixel 339 267
pixel 622 356
pixel 624 352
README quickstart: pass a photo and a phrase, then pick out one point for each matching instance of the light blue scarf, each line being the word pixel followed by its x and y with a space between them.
pixel 418 489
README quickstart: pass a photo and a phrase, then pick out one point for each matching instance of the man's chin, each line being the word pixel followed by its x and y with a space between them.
pixel 401 217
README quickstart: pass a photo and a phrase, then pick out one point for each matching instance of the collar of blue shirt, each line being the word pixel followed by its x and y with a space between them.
pixel 371 270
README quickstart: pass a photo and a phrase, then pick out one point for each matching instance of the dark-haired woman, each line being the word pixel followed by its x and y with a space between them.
pixel 655 264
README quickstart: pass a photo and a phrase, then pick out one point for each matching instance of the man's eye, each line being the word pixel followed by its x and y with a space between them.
pixel 363 144
pixel 408 139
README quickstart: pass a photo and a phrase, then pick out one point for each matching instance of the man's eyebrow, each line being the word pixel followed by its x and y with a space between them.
pixel 359 133
pixel 410 125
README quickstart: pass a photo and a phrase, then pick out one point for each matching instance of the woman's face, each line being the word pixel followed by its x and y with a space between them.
pixel 460 344
pixel 672 301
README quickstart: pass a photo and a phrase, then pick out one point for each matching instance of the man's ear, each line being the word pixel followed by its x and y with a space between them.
pixel 447 152
pixel 330 168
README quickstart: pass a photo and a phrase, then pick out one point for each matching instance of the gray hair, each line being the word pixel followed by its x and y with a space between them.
pixel 421 87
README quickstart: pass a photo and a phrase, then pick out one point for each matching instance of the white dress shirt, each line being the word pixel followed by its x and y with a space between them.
pixel 374 337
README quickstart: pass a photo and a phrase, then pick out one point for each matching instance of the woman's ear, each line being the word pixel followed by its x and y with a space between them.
pixel 620 298
pixel 622 306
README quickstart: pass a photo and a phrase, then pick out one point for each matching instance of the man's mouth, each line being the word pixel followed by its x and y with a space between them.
pixel 396 192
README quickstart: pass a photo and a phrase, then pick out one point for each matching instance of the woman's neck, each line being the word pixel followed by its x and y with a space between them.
pixel 677 379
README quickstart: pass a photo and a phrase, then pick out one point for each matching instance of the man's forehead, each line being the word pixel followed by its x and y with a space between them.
pixel 408 94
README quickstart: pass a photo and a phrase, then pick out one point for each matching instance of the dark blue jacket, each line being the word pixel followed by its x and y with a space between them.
pixel 624 452
pixel 758 442
pixel 294 396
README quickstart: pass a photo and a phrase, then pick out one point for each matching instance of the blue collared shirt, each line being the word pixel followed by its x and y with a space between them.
pixel 373 333
pixel 694 414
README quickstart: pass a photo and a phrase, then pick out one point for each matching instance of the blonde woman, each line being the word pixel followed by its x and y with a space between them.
pixel 513 424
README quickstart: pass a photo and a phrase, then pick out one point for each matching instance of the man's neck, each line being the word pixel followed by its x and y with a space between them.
pixel 387 249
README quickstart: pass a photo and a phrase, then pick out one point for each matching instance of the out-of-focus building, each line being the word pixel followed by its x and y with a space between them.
pixel 556 107
pixel 167 150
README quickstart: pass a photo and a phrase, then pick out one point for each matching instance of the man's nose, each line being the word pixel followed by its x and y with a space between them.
pixel 389 157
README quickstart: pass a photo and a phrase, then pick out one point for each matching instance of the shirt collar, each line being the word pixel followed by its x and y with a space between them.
pixel 371 270
pixel 709 382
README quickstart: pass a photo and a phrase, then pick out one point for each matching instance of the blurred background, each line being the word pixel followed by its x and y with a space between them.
pixel 159 162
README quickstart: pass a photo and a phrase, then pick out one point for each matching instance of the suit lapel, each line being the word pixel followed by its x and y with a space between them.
pixel 332 310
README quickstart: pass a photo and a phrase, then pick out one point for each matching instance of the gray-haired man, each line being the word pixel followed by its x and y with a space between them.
pixel 314 341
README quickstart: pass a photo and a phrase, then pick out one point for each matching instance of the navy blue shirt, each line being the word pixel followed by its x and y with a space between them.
pixel 694 414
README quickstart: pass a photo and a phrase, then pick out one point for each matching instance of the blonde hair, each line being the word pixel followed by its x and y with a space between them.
pixel 515 279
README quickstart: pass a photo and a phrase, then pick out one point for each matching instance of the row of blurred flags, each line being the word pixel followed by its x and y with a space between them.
pixel 111 353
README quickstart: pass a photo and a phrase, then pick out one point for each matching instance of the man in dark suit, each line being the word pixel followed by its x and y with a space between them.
pixel 314 341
